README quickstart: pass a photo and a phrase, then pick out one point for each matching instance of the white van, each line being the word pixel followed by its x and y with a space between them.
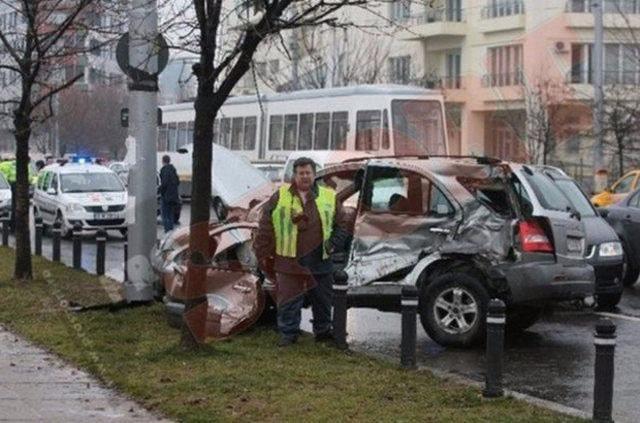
pixel 86 194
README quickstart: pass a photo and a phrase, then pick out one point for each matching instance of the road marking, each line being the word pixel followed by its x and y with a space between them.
pixel 618 316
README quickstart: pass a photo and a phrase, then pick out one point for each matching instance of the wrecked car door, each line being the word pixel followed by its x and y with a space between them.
pixel 402 216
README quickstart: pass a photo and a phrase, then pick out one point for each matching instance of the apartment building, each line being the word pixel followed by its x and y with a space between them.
pixel 96 65
pixel 493 59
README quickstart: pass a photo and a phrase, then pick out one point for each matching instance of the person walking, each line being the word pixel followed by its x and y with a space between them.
pixel 169 196
pixel 299 228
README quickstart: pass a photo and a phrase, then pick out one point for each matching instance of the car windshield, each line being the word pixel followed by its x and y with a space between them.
pixel 549 195
pixel 578 199
pixel 90 182
pixel 417 127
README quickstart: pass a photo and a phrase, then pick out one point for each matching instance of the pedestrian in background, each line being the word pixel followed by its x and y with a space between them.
pixel 169 196
pixel 295 238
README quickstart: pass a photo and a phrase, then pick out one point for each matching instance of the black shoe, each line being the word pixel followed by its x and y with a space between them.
pixel 325 337
pixel 286 341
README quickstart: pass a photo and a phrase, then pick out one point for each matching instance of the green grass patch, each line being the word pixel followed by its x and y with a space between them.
pixel 245 378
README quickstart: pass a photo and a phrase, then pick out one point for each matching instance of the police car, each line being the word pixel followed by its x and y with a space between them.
pixel 76 193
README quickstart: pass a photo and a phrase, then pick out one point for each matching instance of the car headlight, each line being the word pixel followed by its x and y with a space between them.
pixel 74 207
pixel 610 249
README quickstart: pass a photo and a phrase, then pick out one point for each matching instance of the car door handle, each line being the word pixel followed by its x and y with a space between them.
pixel 440 230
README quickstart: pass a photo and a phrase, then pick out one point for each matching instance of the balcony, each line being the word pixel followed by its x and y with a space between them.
pixel 435 23
pixel 617 14
pixel 441 82
pixel 507 15
pixel 620 77
pixel 508 79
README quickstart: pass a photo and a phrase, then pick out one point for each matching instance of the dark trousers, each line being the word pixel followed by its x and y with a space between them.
pixel 167 211
pixel 291 290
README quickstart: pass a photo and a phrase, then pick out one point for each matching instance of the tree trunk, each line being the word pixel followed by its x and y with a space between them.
pixel 23 268
pixel 620 159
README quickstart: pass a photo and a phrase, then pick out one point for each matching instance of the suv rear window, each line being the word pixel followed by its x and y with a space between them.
pixel 490 192
pixel 547 192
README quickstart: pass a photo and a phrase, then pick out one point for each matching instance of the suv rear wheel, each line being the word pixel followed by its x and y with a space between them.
pixel 453 308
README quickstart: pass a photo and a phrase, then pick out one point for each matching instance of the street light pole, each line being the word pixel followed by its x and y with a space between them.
pixel 143 104
pixel 599 171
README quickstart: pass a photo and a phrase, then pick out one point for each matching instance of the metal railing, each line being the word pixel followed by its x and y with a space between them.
pixel 437 82
pixel 503 79
pixel 438 15
pixel 503 8
pixel 610 6
pixel 611 77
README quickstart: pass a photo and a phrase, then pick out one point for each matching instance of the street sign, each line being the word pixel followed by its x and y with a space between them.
pixel 122 55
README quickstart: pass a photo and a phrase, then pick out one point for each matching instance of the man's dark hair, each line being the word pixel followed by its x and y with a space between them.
pixel 166 159
pixel 304 161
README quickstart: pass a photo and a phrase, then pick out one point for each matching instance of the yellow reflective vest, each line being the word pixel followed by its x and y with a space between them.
pixel 8 169
pixel 286 232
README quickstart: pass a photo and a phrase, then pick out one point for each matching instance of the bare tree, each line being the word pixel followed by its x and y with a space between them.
pixel 89 120
pixel 622 124
pixel 226 42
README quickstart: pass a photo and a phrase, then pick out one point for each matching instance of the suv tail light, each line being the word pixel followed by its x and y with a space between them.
pixel 533 238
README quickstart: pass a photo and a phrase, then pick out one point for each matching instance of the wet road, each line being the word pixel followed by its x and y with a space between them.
pixel 552 360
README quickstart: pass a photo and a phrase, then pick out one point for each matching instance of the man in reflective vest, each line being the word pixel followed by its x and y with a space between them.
pixel 8 169
pixel 296 236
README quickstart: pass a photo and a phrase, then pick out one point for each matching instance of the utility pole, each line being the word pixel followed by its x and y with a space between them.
pixel 143 105
pixel 599 170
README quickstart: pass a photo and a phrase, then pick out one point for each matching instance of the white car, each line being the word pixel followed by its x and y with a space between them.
pixel 88 194
pixel 5 198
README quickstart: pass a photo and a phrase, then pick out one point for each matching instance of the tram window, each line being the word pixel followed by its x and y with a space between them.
pixel 290 131
pixel 225 132
pixel 368 130
pixel 190 129
pixel 339 129
pixel 275 132
pixel 322 131
pixel 305 133
pixel 216 131
pixel 173 136
pixel 163 137
pixel 385 130
pixel 236 133
pixel 250 132
pixel 182 134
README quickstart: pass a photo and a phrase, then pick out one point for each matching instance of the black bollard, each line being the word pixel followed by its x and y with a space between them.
pixel 55 235
pixel 5 232
pixel 39 231
pixel 605 342
pixel 409 305
pixel 77 246
pixel 126 258
pixel 101 240
pixel 496 321
pixel 340 287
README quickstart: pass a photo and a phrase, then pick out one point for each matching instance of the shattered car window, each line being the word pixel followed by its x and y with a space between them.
pixel 491 192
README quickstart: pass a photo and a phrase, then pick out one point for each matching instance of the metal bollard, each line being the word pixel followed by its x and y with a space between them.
pixel 77 246
pixel 39 232
pixel 409 305
pixel 126 258
pixel 605 342
pixel 340 287
pixel 101 240
pixel 55 235
pixel 5 232
pixel 496 321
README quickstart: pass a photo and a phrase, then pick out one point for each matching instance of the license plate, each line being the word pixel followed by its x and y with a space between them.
pixel 105 216
pixel 574 244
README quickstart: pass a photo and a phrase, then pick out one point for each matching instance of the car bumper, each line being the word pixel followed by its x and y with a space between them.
pixel 88 222
pixel 608 273
pixel 539 282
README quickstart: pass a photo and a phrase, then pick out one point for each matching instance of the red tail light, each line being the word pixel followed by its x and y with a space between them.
pixel 533 238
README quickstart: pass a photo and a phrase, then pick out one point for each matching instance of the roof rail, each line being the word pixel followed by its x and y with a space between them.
pixel 480 159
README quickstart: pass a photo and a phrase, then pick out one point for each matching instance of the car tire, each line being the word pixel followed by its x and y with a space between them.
pixel 521 318
pixel 64 231
pixel 608 301
pixel 631 272
pixel 219 209
pixel 440 315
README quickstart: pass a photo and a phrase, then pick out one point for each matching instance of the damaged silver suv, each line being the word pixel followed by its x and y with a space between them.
pixel 463 230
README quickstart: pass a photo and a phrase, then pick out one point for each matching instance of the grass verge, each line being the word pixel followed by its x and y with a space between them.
pixel 246 378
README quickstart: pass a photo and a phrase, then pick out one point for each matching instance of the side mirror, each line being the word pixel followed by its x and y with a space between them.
pixel 52 191
pixel 603 212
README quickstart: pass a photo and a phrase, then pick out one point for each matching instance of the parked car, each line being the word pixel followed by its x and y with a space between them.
pixel 624 217
pixel 462 230
pixel 86 194
pixel 603 248
pixel 5 198
pixel 618 191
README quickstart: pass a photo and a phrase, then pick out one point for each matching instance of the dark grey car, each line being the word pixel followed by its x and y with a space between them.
pixel 625 219
pixel 603 248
